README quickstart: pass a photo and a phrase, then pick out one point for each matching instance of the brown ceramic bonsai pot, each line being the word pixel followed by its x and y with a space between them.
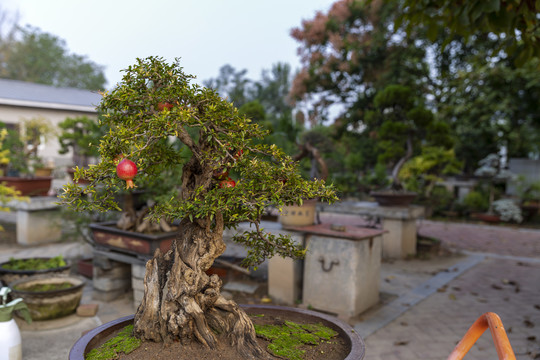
pixel 107 235
pixel 357 347
pixel 488 218
pixel 31 186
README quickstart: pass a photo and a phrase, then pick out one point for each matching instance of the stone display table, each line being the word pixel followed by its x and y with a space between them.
pixel 399 240
pixel 38 220
pixel 341 268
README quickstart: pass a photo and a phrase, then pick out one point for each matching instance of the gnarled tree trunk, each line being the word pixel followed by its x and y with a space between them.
pixel 181 301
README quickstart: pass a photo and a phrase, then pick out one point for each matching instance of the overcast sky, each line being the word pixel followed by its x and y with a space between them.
pixel 205 34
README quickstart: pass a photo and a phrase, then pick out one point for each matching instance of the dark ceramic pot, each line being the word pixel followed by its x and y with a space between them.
pixel 357 347
pixel 393 199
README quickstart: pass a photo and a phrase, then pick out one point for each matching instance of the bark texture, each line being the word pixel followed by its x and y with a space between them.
pixel 181 301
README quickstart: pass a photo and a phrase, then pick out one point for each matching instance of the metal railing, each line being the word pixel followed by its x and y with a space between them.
pixel 493 322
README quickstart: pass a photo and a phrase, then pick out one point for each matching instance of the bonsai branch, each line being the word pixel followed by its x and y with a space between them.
pixel 396 183
pixel 308 150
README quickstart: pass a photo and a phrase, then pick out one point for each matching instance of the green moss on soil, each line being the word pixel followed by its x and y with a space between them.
pixel 124 342
pixel 44 287
pixel 35 263
pixel 286 340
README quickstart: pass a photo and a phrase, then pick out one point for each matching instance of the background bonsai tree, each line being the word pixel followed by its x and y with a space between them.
pixel 492 169
pixel 80 134
pixel 228 176
pixel 403 125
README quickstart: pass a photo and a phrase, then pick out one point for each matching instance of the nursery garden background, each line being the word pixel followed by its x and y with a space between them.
pixel 403 94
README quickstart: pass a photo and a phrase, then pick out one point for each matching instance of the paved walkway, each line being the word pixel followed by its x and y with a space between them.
pixel 497 239
pixel 500 273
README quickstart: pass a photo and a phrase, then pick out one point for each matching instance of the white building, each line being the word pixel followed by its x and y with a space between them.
pixel 23 100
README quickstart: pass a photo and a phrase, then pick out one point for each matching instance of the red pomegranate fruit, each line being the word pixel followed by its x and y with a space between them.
pixel 126 170
pixel 227 183
pixel 164 105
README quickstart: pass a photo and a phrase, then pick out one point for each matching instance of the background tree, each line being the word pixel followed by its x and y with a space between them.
pixel 8 29
pixel 486 56
pixel 515 22
pixel 181 300
pixel 493 106
pixel 232 84
pixel 28 54
pixel 349 54
pixel 403 126
pixel 265 101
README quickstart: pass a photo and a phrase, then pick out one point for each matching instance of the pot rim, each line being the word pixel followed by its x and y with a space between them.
pixel 30 178
pixel 357 345
pixel 74 288
pixel 110 227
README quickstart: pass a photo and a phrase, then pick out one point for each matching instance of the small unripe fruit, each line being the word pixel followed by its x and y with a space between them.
pixel 126 170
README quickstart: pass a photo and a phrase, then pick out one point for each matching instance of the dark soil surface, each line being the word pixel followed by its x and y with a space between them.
pixel 335 349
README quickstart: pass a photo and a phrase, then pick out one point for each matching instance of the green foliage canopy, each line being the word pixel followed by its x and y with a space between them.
pixel 515 22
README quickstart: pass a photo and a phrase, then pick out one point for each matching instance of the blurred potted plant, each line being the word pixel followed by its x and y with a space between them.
pixel 402 125
pixel 218 140
pixel 7 193
pixel 80 135
pixel 423 173
pixel 25 166
pixel 491 170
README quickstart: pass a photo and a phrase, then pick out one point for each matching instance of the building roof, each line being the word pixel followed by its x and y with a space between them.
pixel 26 94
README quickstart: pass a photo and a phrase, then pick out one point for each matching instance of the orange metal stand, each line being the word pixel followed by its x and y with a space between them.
pixel 493 322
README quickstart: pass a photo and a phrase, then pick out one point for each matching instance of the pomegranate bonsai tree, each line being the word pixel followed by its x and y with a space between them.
pixel 228 176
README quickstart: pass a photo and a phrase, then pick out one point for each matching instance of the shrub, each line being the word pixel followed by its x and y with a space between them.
pixel 475 201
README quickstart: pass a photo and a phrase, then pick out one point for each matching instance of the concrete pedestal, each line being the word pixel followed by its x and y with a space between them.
pixel 284 274
pixel 342 269
pixel 399 240
pixel 137 283
pixel 111 278
pixel 285 280
pixel 38 220
pixel 116 273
